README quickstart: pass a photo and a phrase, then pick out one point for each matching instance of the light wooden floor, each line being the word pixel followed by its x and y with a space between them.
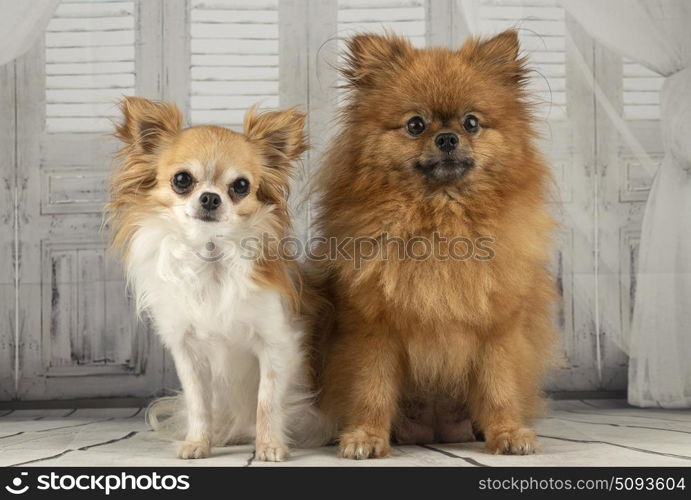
pixel 575 433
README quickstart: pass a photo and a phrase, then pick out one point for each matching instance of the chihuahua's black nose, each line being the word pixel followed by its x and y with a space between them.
pixel 446 142
pixel 210 201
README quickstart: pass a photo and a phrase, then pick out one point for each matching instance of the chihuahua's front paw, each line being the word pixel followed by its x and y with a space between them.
pixel 517 441
pixel 360 444
pixel 270 452
pixel 193 449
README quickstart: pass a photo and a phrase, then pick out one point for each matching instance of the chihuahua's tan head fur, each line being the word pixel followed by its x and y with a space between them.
pixel 203 181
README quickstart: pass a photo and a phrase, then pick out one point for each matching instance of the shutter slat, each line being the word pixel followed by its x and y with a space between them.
pixel 243 60
pixel 79 96
pixel 237 47
pixel 88 69
pixel 94 10
pixel 236 101
pixel 90 39
pixel 233 73
pixel 258 87
pixel 234 16
pixel 235 31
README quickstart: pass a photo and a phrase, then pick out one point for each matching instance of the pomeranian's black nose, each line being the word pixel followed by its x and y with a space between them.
pixel 210 201
pixel 446 142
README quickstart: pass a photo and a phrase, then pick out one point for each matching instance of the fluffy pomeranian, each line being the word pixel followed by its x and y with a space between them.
pixel 184 204
pixel 437 147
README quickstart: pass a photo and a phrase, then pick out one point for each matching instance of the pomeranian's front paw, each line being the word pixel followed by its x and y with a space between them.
pixel 360 444
pixel 193 449
pixel 270 452
pixel 518 441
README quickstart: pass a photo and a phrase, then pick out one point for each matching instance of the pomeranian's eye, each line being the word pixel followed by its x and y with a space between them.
pixel 415 126
pixel 182 182
pixel 240 187
pixel 471 124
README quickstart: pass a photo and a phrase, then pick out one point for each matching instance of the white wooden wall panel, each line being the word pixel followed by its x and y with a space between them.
pixel 74 333
pixel 8 254
pixel 174 82
pixel 307 79
pixel 78 333
pixel 565 114
pixel 625 177
pixel 234 59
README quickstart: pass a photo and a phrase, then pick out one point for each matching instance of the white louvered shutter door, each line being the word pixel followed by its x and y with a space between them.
pixel 79 336
pixel 234 59
pixel 89 64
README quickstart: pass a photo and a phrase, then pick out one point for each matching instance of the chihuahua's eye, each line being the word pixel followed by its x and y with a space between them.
pixel 240 187
pixel 182 182
pixel 471 124
pixel 415 126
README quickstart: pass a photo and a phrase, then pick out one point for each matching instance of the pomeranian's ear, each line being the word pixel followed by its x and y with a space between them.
pixel 146 123
pixel 366 55
pixel 500 52
pixel 281 134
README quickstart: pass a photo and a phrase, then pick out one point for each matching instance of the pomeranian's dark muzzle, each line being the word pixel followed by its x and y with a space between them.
pixel 445 167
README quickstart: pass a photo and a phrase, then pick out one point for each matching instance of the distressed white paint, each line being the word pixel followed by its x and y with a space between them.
pixel 8 317
pixel 215 58
pixel 78 335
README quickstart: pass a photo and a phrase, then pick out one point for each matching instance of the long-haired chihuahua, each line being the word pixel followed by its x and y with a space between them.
pixel 190 210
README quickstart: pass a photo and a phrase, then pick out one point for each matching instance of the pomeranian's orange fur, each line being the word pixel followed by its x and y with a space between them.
pixel 476 333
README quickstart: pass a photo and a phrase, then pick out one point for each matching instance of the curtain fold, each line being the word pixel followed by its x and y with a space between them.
pixel 655 33
pixel 21 23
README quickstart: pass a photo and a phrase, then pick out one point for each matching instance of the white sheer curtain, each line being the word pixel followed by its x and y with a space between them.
pixel 655 33
pixel 21 22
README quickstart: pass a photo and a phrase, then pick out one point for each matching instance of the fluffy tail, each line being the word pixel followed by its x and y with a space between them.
pixel 307 427
pixel 166 416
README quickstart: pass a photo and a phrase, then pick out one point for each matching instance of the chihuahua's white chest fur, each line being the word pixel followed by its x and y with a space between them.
pixel 211 293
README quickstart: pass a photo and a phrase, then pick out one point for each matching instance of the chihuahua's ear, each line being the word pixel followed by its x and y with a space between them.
pixel 501 52
pixel 280 134
pixel 280 137
pixel 147 123
pixel 367 55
